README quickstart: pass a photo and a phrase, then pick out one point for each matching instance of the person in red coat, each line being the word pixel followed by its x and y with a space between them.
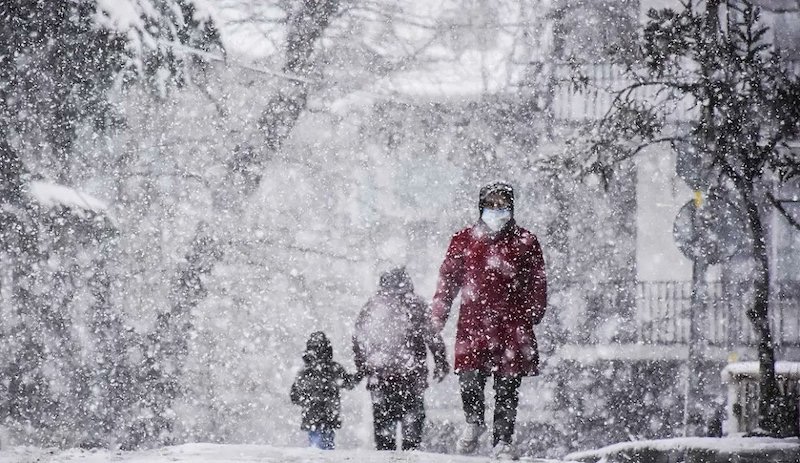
pixel 499 269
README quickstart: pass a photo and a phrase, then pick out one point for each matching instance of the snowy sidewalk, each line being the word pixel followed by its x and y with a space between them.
pixel 215 453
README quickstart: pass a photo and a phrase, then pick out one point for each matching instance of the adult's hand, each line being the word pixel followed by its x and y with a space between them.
pixel 437 325
pixel 538 314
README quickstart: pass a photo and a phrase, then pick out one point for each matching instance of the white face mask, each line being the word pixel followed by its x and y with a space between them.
pixel 496 219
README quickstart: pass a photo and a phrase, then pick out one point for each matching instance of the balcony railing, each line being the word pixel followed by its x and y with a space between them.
pixel 659 312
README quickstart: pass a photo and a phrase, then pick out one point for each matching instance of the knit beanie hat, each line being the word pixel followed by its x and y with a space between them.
pixel 501 188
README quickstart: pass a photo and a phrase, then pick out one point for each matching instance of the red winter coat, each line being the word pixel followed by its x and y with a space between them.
pixel 503 294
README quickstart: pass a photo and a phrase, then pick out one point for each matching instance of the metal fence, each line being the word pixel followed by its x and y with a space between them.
pixel 659 311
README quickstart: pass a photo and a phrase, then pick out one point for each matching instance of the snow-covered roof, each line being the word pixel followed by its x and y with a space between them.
pixel 54 195
pixel 455 82
pixel 750 370
pixel 474 75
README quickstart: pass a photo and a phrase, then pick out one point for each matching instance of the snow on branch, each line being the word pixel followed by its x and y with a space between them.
pixel 179 47
pixel 145 23
pixel 54 195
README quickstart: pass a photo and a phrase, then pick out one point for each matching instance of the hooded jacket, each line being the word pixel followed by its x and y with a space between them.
pixel 393 332
pixel 501 277
pixel 317 386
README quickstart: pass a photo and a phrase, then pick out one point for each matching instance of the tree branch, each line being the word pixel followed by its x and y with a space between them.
pixel 773 142
pixel 626 92
pixel 630 154
pixel 775 202
pixel 727 167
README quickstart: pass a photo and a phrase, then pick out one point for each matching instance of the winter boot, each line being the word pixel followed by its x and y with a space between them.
pixel 468 441
pixel 505 451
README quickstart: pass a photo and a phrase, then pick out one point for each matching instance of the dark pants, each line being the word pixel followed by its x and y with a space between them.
pixel 396 402
pixel 506 390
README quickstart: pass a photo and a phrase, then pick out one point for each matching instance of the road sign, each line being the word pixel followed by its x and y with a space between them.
pixel 711 229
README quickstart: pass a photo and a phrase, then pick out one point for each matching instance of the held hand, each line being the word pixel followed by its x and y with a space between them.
pixel 538 314
pixel 440 370
pixel 361 373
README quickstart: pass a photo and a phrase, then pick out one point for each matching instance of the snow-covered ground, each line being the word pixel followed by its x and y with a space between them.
pixel 218 453
pixel 207 453
pixel 734 445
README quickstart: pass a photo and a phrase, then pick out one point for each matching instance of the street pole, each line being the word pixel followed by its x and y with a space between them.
pixel 692 415
pixel 692 412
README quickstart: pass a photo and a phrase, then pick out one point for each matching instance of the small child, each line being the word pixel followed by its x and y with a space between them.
pixel 316 390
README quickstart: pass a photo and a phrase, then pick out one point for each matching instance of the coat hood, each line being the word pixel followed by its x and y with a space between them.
pixel 318 348
pixel 396 281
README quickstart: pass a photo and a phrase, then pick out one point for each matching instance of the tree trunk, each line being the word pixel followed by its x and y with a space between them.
pixel 10 172
pixel 243 176
pixel 769 409
pixel 696 379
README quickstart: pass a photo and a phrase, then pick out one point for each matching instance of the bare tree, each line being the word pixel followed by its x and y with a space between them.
pixel 305 27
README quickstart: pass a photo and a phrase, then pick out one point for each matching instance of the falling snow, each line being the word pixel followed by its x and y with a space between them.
pixel 190 188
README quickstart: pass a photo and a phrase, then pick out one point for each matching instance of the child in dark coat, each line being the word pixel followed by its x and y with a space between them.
pixel 316 390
